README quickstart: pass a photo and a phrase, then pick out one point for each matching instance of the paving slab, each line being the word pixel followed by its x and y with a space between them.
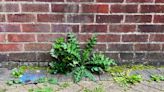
pixel 104 81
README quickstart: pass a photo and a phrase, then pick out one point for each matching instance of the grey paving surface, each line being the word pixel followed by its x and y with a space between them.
pixel 105 81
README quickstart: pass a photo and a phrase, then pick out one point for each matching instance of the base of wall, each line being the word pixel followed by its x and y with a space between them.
pixel 11 60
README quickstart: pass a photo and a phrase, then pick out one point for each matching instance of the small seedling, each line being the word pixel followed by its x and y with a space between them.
pixel 97 89
pixel 45 89
pixel 157 78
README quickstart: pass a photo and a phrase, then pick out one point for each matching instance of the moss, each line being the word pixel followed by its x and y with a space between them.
pixel 123 68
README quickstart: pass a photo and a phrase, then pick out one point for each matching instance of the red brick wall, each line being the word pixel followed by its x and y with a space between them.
pixel 128 30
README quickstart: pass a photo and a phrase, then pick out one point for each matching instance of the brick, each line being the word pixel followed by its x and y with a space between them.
pixel 44 57
pixel 35 7
pixel 151 28
pixel 122 28
pixel 147 47
pixel 100 47
pixel 12 27
pixel 3 57
pixel 21 18
pixel 108 38
pixel 50 18
pixel 84 37
pixel 139 1
pixel 126 56
pixel 11 8
pixel 22 57
pixel 50 0
pixel 159 1
pixel 95 8
pixel 2 18
pixel 20 0
pixel 109 18
pixel 79 0
pixel 138 18
pixel 80 18
pixel 2 37
pixel 65 8
pixel 120 47
pixel 119 8
pixel 140 56
pixel 10 47
pixel 9 28
pixel 1 7
pixel 152 8
pixel 155 56
pixel 159 19
pixel 157 38
pixel 114 56
pixel 65 28
pixel 111 1
pixel 37 47
pixel 48 37
pixel 21 37
pixel 135 38
pixel 162 47
pixel 35 28
pixel 94 28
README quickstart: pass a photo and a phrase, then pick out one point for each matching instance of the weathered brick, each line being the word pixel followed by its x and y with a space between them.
pixel 94 28
pixel 2 18
pixel 126 56
pixel 139 1
pixel 135 38
pixel 122 28
pixel 114 56
pixel 22 57
pixel 20 0
pixel 21 37
pixel 11 47
pixel 11 8
pixel 21 18
pixel 35 7
pixel 79 0
pixel 35 28
pixel 151 28
pixel 157 38
pixel 9 28
pixel 109 18
pixel 50 0
pixel 152 8
pixel 159 19
pixel 120 47
pixel 3 57
pixel 155 56
pixel 70 8
pixel 138 18
pixel 100 47
pixel 2 37
pixel 65 28
pixel 95 8
pixel 119 8
pixel 100 38
pixel 108 38
pixel 112 1
pixel 43 57
pixel 80 18
pixel 159 1
pixel 147 47
pixel 50 18
pixel 37 47
pixel 48 37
